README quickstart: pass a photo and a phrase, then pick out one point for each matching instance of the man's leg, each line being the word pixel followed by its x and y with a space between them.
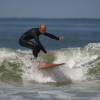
pixel 31 45
pixel 36 50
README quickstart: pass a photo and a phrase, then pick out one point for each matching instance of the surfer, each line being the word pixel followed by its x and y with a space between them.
pixel 26 39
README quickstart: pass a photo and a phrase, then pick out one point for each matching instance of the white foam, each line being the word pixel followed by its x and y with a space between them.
pixel 73 70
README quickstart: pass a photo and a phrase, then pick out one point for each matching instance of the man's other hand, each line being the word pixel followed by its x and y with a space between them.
pixel 61 38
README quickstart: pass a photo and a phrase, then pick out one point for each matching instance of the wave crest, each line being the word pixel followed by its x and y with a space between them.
pixel 81 64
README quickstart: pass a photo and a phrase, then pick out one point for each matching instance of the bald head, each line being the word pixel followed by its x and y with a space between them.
pixel 42 28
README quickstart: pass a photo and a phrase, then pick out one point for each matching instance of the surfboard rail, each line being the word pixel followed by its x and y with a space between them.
pixel 43 65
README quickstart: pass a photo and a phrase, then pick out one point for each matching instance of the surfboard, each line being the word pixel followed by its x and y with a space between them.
pixel 43 65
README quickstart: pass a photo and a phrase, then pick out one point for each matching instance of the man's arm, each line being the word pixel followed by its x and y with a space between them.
pixel 51 36
pixel 39 44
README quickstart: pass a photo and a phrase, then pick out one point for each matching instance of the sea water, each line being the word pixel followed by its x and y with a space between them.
pixel 78 79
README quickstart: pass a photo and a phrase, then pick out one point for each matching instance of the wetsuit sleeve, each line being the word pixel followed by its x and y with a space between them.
pixel 51 36
pixel 39 44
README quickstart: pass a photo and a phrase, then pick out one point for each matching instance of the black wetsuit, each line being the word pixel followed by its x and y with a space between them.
pixel 34 33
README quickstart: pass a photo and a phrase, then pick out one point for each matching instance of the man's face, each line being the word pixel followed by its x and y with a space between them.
pixel 42 29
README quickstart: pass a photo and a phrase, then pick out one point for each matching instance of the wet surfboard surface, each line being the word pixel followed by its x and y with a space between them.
pixel 43 65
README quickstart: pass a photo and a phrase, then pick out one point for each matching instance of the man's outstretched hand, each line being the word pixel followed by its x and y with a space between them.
pixel 61 38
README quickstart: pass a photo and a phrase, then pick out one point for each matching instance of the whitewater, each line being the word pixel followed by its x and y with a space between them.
pixel 82 63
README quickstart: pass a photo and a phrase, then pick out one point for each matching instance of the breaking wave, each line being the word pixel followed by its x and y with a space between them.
pixel 81 64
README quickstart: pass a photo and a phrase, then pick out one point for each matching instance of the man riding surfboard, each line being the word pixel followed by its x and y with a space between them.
pixel 26 39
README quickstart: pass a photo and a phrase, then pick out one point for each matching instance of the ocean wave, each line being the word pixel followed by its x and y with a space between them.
pixel 81 64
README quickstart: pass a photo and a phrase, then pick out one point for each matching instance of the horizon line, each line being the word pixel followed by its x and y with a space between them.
pixel 47 18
